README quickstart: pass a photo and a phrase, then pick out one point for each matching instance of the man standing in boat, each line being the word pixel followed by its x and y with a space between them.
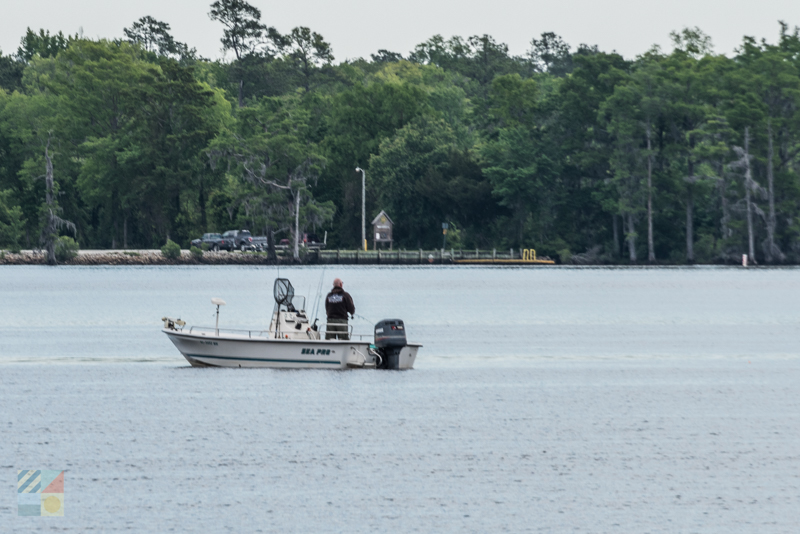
pixel 338 304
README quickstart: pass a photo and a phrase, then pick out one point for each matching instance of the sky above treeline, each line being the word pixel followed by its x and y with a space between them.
pixel 358 28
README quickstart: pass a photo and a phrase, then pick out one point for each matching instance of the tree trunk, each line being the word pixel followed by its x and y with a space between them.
pixel 690 212
pixel 114 209
pixel 651 253
pixel 690 227
pixel 50 238
pixel 297 226
pixel 631 237
pixel 53 223
pixel 306 74
pixel 726 214
pixel 202 202
pixel 125 231
pixel 771 192
pixel 747 187
pixel 617 251
pixel 271 254
pixel 241 93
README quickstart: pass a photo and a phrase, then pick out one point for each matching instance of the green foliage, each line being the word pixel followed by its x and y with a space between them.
pixel 266 197
pixel 705 248
pixel 42 44
pixel 154 37
pixel 551 54
pixel 479 58
pixel 242 23
pixel 425 178
pixel 308 51
pixel 138 130
pixel 10 73
pixel 559 248
pixel 563 150
pixel 12 224
pixel 197 252
pixel 454 237
pixel 66 248
pixel 171 250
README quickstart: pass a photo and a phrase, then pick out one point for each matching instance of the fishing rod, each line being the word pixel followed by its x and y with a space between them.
pixel 319 294
pixel 362 317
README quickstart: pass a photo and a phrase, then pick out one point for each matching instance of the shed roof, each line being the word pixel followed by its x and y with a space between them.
pixel 375 220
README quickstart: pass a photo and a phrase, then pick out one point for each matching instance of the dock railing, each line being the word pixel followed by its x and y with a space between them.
pixel 418 257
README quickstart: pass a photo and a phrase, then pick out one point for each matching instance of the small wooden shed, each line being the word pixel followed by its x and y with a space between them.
pixel 382 230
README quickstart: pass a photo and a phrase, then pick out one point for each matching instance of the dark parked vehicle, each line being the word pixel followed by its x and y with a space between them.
pixel 312 241
pixel 237 239
pixel 309 240
pixel 212 240
pixel 260 243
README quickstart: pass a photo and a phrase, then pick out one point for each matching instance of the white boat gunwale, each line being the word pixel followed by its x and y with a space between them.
pixel 264 339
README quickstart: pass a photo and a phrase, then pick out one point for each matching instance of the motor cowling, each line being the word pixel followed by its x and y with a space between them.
pixel 390 338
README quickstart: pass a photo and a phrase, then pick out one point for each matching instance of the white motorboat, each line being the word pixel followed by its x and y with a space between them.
pixel 291 341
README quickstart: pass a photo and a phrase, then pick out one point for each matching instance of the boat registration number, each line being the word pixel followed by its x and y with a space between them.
pixel 318 351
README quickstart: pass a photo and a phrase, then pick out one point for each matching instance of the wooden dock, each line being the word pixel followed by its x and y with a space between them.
pixel 421 257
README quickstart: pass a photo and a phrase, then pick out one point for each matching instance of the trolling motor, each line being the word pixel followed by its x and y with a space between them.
pixel 390 338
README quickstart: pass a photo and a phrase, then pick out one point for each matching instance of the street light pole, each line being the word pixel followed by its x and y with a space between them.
pixel 363 207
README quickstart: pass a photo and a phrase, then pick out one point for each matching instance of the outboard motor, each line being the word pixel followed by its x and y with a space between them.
pixel 390 338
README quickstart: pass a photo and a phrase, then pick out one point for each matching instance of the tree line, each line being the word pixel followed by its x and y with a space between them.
pixel 676 156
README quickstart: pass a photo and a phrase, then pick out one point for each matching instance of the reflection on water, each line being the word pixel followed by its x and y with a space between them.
pixel 463 316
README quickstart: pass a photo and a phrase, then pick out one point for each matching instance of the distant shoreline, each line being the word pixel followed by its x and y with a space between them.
pixel 313 257
pixel 309 257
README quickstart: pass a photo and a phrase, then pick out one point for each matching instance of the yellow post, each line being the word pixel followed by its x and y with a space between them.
pixel 365 245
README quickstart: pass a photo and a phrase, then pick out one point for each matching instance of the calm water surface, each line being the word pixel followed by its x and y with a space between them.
pixel 463 316
pixel 544 400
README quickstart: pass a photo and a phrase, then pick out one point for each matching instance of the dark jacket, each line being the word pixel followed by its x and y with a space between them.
pixel 338 303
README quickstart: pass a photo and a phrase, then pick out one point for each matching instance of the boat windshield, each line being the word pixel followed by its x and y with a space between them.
pixel 298 303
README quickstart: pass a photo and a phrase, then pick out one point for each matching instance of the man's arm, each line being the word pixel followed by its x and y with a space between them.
pixel 350 306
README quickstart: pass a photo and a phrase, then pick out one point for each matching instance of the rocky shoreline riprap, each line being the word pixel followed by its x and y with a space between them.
pixel 141 257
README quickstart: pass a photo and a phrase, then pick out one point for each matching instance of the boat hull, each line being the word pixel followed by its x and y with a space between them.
pixel 239 351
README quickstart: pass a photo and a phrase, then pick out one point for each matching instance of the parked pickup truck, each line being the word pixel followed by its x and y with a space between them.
pixel 212 240
pixel 237 239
